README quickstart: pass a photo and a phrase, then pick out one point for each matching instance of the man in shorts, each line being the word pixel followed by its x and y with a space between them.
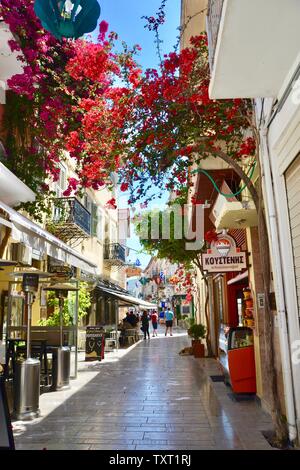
pixel 169 315
pixel 154 320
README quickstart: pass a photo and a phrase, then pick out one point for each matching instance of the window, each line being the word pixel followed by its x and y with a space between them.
pixel 88 203
pixel 61 184
pixel 185 309
pixel 60 187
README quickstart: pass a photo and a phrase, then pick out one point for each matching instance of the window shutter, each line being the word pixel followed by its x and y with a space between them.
pixel 94 223
pixel 100 227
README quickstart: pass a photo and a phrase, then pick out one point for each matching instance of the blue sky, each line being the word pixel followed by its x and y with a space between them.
pixel 124 17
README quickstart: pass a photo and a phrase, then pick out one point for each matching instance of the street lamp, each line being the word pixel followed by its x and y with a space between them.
pixel 68 18
pixel 63 366
pixel 27 375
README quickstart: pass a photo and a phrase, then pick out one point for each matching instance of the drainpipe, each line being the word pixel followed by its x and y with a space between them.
pixel 281 307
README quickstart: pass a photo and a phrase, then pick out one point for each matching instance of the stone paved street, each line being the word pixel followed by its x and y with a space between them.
pixel 152 398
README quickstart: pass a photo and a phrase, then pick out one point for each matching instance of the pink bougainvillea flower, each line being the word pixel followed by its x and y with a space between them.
pixel 103 28
pixel 124 187
pixel 111 204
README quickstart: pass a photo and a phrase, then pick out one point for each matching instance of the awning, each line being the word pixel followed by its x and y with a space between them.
pixel 12 190
pixel 238 278
pixel 26 231
pixel 126 299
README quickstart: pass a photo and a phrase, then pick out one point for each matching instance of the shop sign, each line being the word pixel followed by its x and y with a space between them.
pixel 87 277
pixel 61 271
pixel 224 256
pixel 133 271
pixel 94 349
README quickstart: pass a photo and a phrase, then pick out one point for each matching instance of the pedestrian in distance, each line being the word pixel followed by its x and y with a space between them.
pixel 169 321
pixel 154 320
pixel 145 324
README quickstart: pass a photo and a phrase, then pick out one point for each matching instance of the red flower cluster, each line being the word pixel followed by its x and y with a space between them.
pixel 248 148
pixel 211 236
pixel 152 128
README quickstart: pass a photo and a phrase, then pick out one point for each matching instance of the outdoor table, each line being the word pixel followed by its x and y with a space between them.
pixel 39 348
pixel 11 353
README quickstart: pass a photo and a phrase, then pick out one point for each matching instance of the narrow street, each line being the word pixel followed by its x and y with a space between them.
pixel 152 398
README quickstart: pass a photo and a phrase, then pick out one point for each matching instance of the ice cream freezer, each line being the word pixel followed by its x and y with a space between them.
pixel 237 358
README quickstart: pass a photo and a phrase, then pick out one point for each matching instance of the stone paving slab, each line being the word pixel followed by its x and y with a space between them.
pixel 150 399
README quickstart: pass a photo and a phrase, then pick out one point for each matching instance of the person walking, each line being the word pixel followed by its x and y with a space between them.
pixel 154 320
pixel 145 324
pixel 169 321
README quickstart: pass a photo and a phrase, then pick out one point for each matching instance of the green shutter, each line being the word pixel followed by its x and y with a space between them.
pixel 94 220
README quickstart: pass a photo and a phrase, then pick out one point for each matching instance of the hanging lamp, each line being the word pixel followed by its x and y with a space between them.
pixel 68 18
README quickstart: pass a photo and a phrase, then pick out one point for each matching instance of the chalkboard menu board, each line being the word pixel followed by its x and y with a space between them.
pixel 6 435
pixel 94 349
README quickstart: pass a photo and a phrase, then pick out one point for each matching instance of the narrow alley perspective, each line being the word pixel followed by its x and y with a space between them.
pixel 150 231
pixel 152 398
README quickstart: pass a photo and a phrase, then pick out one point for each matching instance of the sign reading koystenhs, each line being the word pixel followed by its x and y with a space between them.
pixel 224 256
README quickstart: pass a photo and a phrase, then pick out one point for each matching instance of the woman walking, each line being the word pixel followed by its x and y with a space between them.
pixel 145 324
pixel 154 320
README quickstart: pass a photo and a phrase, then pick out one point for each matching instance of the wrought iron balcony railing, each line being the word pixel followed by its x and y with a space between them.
pixel 114 254
pixel 214 15
pixel 71 220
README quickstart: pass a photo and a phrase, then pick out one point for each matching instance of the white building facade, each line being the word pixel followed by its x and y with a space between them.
pixel 255 53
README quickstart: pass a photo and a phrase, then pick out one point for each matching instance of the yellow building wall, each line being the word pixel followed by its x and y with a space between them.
pixel 193 19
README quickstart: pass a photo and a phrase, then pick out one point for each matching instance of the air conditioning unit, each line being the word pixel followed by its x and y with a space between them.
pixel 21 253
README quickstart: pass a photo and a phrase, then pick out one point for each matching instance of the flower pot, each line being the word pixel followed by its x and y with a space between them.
pixel 198 348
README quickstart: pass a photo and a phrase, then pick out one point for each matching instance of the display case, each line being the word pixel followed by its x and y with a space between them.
pixel 237 358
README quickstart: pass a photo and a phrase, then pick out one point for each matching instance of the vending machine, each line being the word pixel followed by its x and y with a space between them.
pixel 237 358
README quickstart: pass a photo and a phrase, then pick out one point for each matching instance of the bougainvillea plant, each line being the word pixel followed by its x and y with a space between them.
pixel 83 98
pixel 176 125
pixel 64 100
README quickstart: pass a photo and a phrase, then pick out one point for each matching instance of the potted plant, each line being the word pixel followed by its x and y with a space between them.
pixel 197 332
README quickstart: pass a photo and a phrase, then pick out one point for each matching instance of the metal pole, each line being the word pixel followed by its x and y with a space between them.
pixel 76 329
pixel 28 304
pixel 117 322
pixel 61 306
pixel 9 308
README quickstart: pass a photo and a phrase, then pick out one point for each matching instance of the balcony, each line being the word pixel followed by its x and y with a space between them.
pixel 252 46
pixel 230 213
pixel 114 254
pixel 71 220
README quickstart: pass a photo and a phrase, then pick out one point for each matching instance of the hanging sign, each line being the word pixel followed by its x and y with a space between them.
pixel 133 271
pixel 224 256
pixel 60 271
